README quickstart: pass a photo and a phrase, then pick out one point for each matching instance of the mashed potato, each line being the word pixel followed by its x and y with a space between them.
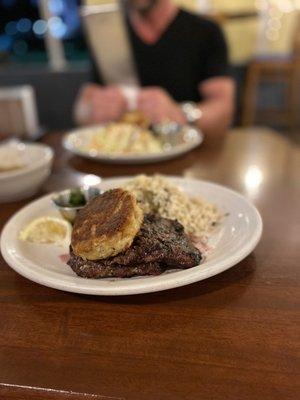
pixel 123 138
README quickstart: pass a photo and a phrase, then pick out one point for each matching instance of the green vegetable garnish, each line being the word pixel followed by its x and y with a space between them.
pixel 77 198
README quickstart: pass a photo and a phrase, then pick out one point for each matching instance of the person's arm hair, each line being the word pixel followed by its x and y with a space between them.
pixel 218 107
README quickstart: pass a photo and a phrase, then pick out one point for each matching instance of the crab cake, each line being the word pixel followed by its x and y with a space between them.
pixel 107 225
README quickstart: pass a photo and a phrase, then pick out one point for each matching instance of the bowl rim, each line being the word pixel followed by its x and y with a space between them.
pixel 66 208
pixel 46 159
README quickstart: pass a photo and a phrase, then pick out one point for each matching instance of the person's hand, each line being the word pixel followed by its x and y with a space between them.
pixel 97 104
pixel 158 106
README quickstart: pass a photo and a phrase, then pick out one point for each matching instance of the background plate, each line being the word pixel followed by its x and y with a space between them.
pixel 71 140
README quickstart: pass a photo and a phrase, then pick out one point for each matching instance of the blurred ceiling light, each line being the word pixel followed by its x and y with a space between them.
pixel 24 25
pixel 39 27
pixel 57 27
pixel 253 179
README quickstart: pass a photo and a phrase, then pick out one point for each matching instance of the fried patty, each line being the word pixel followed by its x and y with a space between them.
pixel 107 225
pixel 161 244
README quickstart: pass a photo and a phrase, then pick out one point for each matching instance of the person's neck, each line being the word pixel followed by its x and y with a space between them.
pixel 157 18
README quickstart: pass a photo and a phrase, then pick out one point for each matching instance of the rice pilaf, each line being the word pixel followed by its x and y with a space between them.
pixel 157 194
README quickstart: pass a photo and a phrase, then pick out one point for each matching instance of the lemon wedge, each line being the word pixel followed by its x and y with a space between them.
pixel 47 230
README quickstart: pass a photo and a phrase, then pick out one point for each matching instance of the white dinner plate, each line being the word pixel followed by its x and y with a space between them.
pixel 233 240
pixel 76 140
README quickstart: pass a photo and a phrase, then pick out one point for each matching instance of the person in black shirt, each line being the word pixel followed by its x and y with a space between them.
pixel 182 65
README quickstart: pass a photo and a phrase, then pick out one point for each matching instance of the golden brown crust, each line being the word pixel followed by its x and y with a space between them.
pixel 107 225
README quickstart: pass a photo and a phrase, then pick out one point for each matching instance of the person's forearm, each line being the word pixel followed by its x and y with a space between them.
pixel 218 106
pixel 216 117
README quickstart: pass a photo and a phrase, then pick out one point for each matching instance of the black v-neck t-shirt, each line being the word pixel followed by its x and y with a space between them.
pixel 191 50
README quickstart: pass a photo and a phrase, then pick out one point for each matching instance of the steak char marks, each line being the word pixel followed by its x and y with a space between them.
pixel 161 244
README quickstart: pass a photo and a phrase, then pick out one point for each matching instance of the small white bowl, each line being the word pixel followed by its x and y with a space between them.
pixel 23 182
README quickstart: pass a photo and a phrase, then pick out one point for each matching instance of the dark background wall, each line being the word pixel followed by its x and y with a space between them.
pixel 56 91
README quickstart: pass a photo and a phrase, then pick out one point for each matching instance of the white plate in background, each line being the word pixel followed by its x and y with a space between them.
pixel 75 140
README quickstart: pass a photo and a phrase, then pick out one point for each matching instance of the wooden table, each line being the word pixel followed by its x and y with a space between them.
pixel 234 336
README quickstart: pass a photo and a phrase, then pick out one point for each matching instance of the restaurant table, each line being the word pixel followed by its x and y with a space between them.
pixel 233 336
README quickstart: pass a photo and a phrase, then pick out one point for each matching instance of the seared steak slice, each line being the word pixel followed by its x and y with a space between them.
pixel 96 269
pixel 161 244
pixel 160 240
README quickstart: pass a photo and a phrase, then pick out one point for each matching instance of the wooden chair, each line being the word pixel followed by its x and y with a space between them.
pixel 284 71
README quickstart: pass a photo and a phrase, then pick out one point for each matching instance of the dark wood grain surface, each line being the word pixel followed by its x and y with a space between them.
pixel 234 336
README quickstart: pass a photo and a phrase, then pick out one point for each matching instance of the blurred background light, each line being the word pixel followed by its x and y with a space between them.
pixel 57 27
pixel 24 25
pixel 40 27
pixel 286 6
pixel 11 28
